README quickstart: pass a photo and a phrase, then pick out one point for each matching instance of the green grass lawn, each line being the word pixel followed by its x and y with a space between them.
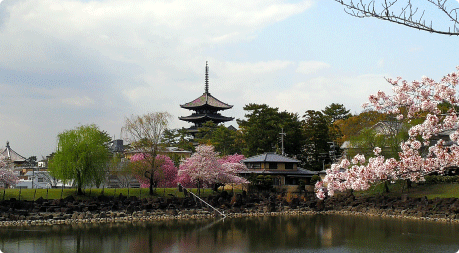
pixel 435 191
pixel 55 193
pixel 431 191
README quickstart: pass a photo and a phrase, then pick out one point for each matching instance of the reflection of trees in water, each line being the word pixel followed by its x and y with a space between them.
pixel 235 235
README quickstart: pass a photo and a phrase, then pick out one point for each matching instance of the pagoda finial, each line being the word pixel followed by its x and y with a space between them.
pixel 207 78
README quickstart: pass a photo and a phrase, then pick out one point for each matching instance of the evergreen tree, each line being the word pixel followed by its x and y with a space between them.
pixel 317 138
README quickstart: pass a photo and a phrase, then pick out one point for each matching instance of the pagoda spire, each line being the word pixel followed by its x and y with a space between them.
pixel 206 108
pixel 207 78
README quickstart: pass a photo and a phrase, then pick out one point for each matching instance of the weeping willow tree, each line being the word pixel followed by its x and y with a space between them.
pixel 82 155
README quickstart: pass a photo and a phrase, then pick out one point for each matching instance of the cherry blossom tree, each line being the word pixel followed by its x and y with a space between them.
pixel 144 133
pixel 165 171
pixel 204 168
pixel 169 172
pixel 423 153
pixel 7 177
pixel 230 167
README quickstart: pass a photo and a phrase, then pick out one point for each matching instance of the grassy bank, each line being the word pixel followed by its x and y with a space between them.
pixel 55 193
pixel 431 191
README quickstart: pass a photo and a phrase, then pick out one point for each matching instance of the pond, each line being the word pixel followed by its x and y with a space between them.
pixel 313 233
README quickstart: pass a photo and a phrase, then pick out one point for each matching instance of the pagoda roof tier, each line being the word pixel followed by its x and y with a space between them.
pixel 206 101
pixel 12 155
pixel 216 118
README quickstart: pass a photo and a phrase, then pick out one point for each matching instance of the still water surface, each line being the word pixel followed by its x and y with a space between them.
pixel 318 233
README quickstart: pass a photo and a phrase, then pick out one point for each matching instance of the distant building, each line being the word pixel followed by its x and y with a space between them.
pixel 387 128
pixel 382 128
pixel 117 146
pixel 284 170
pixel 206 108
pixel 167 151
pixel 12 155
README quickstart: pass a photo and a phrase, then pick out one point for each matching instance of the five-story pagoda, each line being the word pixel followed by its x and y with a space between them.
pixel 206 108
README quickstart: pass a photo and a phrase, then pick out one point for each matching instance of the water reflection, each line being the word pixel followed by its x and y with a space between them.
pixel 318 233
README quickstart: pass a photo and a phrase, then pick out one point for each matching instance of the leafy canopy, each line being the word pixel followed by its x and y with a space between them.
pixel 82 155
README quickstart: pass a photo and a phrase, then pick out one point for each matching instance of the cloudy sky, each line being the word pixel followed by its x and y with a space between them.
pixel 68 62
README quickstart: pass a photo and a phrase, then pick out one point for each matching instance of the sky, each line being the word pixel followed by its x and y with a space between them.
pixel 66 63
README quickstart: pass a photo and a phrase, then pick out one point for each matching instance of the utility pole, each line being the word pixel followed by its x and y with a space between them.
pixel 282 134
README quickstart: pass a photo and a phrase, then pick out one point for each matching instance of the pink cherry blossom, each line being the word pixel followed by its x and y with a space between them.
pixel 165 174
pixel 205 168
pixel 421 99
pixel 7 176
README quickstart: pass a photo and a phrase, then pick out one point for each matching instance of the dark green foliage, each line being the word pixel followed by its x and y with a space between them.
pixel 185 140
pixel 261 130
pixel 336 112
pixel 178 138
pixel 205 133
pixel 317 136
pixel 315 179
pixel 438 179
pixel 170 137
pixel 369 138
pixel 261 182
pixel 82 155
pixel 225 140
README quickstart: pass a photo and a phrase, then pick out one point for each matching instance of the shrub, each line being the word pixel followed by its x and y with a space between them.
pixel 437 179
pixel 315 179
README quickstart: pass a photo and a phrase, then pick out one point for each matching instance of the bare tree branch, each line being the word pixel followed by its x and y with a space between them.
pixel 408 14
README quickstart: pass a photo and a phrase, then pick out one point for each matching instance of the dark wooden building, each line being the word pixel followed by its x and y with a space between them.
pixel 285 171
pixel 206 108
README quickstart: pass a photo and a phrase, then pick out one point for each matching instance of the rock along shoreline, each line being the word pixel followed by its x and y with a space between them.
pixel 103 209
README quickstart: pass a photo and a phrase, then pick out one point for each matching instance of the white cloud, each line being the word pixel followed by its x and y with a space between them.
pixel 317 93
pixel 84 101
pixel 73 62
pixel 311 67
pixel 126 30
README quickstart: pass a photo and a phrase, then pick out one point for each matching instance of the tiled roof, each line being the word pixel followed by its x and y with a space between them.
pixel 206 99
pixel 270 157
pixel 12 155
pixel 387 127
pixel 214 117
pixel 299 172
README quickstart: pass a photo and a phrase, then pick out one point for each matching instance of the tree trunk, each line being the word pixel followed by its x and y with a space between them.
pixel 79 182
pixel 151 184
pixel 408 184
pixel 386 187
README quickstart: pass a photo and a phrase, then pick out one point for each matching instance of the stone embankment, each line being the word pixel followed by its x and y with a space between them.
pixel 105 209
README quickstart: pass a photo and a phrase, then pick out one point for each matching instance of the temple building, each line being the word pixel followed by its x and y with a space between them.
pixel 12 155
pixel 206 108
